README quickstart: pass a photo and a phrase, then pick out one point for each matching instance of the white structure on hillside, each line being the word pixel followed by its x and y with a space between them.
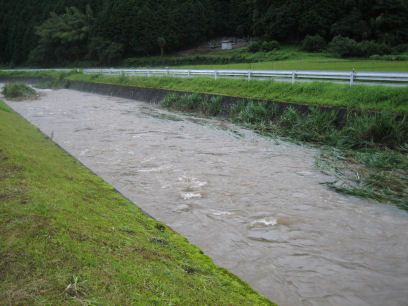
pixel 226 45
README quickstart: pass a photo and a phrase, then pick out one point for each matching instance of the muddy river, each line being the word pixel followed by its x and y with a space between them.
pixel 255 205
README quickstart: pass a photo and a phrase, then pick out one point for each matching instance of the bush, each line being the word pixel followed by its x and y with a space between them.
pixel 401 48
pixel 370 47
pixel 195 102
pixel 254 47
pixel 211 107
pixel 270 46
pixel 344 46
pixel 313 43
pixel 17 91
pixel 253 113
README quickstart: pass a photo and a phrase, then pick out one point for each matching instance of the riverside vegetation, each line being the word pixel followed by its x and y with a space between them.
pixel 70 238
pixel 18 91
pixel 366 153
pixel 379 98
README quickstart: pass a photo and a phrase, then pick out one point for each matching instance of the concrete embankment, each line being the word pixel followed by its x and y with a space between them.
pixel 155 95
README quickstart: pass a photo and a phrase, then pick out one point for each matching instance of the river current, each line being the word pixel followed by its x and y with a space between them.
pixel 255 205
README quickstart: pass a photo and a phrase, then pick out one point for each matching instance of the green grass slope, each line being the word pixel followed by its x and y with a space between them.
pixel 364 97
pixel 68 238
pixel 317 93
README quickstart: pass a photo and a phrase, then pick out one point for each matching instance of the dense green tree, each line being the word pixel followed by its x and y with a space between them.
pixel 50 34
pixel 63 38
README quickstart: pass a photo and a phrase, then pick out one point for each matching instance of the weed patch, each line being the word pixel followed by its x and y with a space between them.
pixel 18 91
pixel 193 103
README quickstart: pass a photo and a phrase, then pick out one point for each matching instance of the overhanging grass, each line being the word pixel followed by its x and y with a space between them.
pixel 317 93
pixel 68 238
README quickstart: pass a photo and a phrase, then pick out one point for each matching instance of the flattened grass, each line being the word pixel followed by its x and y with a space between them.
pixel 68 238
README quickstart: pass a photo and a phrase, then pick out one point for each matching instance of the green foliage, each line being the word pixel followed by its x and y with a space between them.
pixel 389 57
pixel 389 99
pixel 344 47
pixel 370 47
pixel 131 28
pixel 56 83
pixel 251 113
pixel 254 47
pixel 162 43
pixel 104 51
pixel 17 91
pixel 382 129
pixel 63 38
pixel 313 43
pixel 193 103
pixel 270 46
pixel 212 106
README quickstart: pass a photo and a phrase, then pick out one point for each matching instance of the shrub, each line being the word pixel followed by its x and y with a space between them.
pixel 169 100
pixel 254 47
pixel 344 46
pixel 370 47
pixel 313 43
pixel 270 46
pixel 253 113
pixel 401 48
pixel 380 129
pixel 17 91
pixel 211 107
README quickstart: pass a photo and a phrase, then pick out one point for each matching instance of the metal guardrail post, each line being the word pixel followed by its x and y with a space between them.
pixel 215 75
pixel 188 73
pixel 352 77
pixel 249 76
pixel 293 77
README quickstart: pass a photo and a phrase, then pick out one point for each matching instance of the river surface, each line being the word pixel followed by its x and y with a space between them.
pixel 255 205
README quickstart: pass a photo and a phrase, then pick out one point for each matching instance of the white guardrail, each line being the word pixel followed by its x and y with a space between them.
pixel 349 77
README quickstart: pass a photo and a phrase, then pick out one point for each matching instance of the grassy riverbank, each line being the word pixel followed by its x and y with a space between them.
pixel 366 155
pixel 318 93
pixel 69 238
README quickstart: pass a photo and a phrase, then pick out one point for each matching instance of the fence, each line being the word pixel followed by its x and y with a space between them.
pixel 349 77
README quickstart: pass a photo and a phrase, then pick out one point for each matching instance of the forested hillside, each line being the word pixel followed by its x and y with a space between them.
pixel 104 31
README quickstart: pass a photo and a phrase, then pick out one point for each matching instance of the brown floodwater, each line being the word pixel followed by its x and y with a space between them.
pixel 255 205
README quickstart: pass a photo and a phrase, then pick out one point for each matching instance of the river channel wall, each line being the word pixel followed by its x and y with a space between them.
pixel 155 95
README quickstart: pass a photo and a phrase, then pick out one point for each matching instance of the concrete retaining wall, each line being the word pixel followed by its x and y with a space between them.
pixel 153 95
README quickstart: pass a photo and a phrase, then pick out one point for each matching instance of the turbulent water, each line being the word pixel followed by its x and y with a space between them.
pixel 255 205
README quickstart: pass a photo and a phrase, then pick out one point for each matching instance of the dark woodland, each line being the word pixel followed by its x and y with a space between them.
pixel 69 31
